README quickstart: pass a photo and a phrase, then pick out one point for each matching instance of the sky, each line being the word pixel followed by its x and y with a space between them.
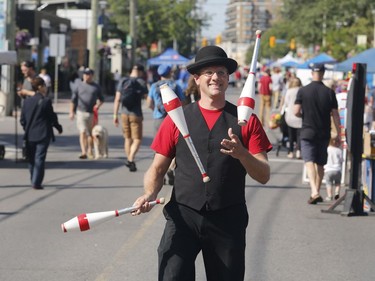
pixel 216 9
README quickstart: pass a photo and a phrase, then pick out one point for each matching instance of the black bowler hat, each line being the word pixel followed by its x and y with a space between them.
pixel 209 56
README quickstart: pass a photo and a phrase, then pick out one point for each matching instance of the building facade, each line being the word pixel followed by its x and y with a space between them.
pixel 243 18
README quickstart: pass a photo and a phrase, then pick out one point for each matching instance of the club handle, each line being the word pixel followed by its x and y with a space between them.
pixel 132 209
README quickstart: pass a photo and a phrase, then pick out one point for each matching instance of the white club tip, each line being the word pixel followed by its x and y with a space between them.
pixel 161 200
pixel 206 179
pixel 258 32
pixel 242 122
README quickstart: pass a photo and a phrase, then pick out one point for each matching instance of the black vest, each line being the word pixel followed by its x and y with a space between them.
pixel 227 185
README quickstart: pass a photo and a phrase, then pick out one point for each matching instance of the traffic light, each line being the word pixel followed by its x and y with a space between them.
pixel 218 40
pixel 204 42
pixel 292 44
pixel 272 42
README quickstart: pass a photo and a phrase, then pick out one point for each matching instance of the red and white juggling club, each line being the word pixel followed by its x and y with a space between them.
pixel 172 105
pixel 85 222
pixel 246 102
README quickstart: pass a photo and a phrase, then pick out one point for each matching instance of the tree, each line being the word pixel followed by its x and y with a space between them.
pixel 337 23
pixel 162 20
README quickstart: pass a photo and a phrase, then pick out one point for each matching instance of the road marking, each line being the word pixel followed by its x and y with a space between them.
pixel 283 160
pixel 119 257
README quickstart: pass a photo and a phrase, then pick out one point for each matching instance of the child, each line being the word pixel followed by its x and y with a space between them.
pixel 332 170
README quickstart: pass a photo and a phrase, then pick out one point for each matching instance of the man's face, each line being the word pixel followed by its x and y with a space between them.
pixel 87 77
pixel 212 80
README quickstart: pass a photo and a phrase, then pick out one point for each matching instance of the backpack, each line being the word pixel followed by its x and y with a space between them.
pixel 130 92
pixel 160 106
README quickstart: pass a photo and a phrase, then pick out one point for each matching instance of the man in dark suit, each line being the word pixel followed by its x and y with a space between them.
pixel 37 119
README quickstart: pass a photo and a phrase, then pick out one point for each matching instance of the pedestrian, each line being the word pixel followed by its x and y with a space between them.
pixel 192 91
pixel 38 119
pixel 87 97
pixel 28 71
pixel 74 80
pixel 183 78
pixel 116 77
pixel 47 79
pixel 293 122
pixel 332 170
pixel 315 103
pixel 155 103
pixel 200 216
pixel 277 86
pixel 154 100
pixel 130 92
pixel 265 92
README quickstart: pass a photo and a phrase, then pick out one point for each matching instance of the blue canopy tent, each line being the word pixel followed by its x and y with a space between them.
pixel 367 57
pixel 321 58
pixel 287 61
pixel 169 56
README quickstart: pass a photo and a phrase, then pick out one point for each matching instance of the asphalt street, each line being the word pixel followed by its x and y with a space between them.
pixel 287 239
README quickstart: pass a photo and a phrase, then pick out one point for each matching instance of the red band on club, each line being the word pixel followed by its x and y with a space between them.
pixel 186 136
pixel 172 104
pixel 204 175
pixel 116 213
pixel 83 222
pixel 246 101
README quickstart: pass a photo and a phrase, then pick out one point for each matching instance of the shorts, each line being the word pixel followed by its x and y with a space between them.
pixel 314 151
pixel 332 178
pixel 132 126
pixel 85 122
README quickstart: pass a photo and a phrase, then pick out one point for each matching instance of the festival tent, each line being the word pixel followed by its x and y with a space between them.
pixel 321 58
pixel 169 56
pixel 287 61
pixel 367 57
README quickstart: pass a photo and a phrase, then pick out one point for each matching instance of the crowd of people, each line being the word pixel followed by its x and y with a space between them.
pixel 278 92
pixel 309 122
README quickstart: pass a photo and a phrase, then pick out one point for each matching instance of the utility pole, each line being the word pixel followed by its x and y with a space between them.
pixel 133 29
pixel 93 37
pixel 8 70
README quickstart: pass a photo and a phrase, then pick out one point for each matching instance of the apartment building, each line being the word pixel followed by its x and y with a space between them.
pixel 243 18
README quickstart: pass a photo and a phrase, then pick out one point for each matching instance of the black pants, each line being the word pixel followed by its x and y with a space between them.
pixel 220 235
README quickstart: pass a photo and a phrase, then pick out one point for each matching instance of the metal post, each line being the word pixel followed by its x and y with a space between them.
pixel 133 29
pixel 10 36
pixel 93 36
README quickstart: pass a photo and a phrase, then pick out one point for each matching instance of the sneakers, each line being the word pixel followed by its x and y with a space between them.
pixel 38 187
pixel 315 199
pixel 82 156
pixel 290 155
pixel 132 167
pixel 337 196
pixel 328 199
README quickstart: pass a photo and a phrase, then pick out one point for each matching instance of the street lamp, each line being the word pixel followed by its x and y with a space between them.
pixel 373 18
